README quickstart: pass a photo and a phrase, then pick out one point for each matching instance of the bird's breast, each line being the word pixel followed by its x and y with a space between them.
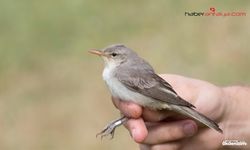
pixel 108 70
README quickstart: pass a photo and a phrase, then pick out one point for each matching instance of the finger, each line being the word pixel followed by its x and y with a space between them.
pixel 212 140
pixel 129 109
pixel 137 129
pixel 156 116
pixel 165 146
pixel 170 131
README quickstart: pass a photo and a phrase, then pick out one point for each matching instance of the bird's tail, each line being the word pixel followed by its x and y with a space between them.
pixel 190 112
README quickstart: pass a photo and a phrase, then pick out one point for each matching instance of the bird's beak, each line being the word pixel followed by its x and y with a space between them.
pixel 96 52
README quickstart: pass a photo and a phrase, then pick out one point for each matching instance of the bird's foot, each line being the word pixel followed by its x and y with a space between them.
pixel 110 128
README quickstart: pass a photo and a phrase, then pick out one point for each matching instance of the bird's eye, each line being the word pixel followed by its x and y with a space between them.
pixel 113 54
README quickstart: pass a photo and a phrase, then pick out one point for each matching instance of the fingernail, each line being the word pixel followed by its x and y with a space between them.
pixel 189 129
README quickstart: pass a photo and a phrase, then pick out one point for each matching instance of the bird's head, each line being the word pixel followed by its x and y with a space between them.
pixel 114 54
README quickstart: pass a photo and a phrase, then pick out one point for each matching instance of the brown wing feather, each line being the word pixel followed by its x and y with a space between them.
pixel 149 85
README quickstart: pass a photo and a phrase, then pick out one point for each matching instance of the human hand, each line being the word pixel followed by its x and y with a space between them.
pixel 167 130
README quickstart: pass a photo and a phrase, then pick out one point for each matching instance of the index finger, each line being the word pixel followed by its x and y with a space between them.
pixel 128 109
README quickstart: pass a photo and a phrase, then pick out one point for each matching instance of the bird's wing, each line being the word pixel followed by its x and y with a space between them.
pixel 151 85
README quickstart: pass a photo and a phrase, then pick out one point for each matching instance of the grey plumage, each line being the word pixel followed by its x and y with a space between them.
pixel 131 78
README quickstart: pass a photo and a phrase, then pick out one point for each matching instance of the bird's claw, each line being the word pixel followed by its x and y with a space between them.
pixel 110 128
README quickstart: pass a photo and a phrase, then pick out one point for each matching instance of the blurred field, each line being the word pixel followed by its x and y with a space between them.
pixel 50 85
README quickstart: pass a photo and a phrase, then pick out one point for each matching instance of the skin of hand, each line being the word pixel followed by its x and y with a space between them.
pixel 167 130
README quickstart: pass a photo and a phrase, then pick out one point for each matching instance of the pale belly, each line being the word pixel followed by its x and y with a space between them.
pixel 118 90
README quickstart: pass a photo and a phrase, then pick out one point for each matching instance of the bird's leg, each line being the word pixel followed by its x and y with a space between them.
pixel 110 128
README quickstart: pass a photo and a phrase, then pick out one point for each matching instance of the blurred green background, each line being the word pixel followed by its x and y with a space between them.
pixel 50 86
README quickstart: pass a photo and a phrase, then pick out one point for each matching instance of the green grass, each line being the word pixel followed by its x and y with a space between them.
pixel 50 85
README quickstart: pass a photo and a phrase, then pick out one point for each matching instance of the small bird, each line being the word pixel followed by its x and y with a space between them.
pixel 131 78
